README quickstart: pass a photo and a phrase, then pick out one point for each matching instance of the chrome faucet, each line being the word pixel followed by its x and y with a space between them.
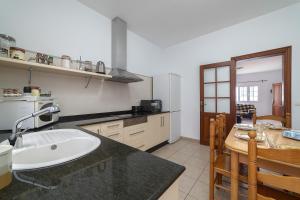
pixel 15 138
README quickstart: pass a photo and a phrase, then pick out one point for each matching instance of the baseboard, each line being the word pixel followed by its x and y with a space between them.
pixel 190 139
pixel 157 147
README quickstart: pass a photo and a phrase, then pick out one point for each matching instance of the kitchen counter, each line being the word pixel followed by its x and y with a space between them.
pixel 113 171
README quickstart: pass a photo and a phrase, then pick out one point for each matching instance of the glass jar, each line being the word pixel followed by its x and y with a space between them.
pixel 66 61
pixel 76 64
pixel 6 42
pixel 88 66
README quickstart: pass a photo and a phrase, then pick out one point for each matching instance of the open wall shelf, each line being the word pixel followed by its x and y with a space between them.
pixel 19 64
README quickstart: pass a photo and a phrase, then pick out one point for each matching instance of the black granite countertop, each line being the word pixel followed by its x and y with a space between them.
pixel 113 171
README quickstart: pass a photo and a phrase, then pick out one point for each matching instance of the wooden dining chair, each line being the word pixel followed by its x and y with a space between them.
pixel 285 121
pixel 274 186
pixel 219 161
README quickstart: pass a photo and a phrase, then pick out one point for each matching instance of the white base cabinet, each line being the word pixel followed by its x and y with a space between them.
pixel 141 136
pixel 135 136
pixel 158 128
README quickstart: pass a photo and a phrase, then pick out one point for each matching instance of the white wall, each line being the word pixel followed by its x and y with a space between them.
pixel 68 27
pixel 265 96
pixel 277 29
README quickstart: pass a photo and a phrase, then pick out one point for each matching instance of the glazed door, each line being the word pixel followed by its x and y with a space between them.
pixel 216 96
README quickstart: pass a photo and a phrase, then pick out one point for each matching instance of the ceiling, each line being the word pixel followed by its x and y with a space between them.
pixel 256 65
pixel 168 22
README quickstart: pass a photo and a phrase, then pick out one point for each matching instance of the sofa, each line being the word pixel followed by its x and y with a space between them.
pixel 245 110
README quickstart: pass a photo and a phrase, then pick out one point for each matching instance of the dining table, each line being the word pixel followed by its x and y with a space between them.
pixel 239 154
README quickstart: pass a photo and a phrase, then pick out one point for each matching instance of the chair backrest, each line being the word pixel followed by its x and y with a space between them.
pixel 289 156
pixel 285 121
pixel 222 132
pixel 216 140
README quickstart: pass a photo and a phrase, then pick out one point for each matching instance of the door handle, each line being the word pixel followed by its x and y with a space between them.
pixel 137 132
pixel 115 134
pixel 112 126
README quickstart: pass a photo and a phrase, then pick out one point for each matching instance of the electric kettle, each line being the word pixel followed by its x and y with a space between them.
pixel 100 67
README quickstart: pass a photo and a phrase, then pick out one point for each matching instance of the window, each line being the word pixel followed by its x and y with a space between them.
pixel 243 95
pixel 247 93
pixel 253 93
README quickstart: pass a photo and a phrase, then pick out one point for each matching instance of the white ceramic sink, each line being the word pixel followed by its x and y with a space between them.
pixel 47 148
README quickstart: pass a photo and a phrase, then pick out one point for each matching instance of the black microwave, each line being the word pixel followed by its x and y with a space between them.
pixel 152 106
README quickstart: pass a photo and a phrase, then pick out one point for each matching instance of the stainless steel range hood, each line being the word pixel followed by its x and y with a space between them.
pixel 119 71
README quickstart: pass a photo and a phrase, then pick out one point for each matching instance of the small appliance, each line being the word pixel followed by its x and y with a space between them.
pixel 14 108
pixel 152 106
pixel 100 67
pixel 136 109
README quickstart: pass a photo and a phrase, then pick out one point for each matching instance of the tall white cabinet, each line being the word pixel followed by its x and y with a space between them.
pixel 167 87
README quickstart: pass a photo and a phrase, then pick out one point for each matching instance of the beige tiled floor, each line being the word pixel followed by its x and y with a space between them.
pixel 195 157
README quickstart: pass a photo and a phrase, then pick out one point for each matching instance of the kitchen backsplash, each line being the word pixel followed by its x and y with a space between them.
pixel 74 98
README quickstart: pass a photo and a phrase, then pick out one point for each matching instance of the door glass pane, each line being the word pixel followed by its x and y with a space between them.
pixel 223 89
pixel 223 73
pixel 209 75
pixel 210 105
pixel 223 105
pixel 210 90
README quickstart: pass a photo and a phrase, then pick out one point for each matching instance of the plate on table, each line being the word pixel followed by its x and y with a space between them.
pixel 277 127
pixel 260 137
pixel 245 127
pixel 293 134
pixel 268 123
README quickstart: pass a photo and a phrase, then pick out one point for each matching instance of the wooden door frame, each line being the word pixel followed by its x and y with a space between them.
pixel 232 105
pixel 286 53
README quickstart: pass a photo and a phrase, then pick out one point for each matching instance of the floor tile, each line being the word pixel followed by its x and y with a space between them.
pixel 201 155
pixel 195 162
pixel 165 151
pixel 204 177
pixel 187 151
pixel 194 182
pixel 186 183
pixel 179 159
pixel 222 195
pixel 193 172
pixel 182 195
pixel 189 197
pixel 200 190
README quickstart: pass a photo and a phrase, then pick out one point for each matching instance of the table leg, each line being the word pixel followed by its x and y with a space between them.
pixel 234 175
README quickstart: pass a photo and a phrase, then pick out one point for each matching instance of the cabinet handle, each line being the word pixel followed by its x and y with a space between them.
pixel 113 134
pixel 163 121
pixel 140 146
pixel 137 132
pixel 111 126
pixel 98 131
pixel 160 121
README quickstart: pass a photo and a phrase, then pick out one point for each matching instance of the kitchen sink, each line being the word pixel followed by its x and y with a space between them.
pixel 52 147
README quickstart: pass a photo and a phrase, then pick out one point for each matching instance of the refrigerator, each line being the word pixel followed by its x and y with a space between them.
pixel 167 88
